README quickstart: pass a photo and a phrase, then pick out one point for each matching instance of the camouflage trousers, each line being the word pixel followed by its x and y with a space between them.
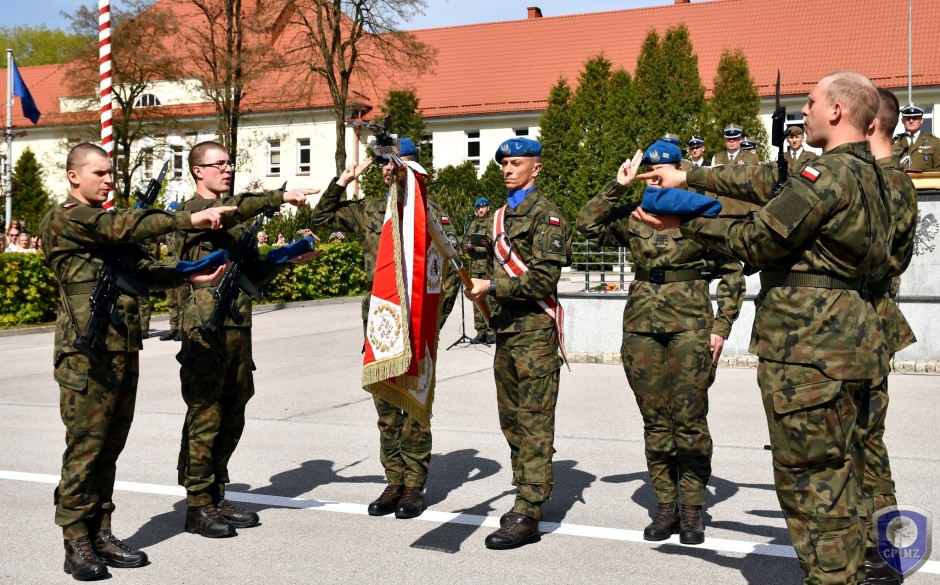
pixel 877 485
pixel 816 443
pixel 174 304
pixel 670 374
pixel 479 323
pixel 97 407
pixel 404 446
pixel 145 310
pixel 217 385
pixel 526 368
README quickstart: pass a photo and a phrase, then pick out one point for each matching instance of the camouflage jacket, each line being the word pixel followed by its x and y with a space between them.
pixel 77 238
pixel 747 183
pixel 479 257
pixel 673 306
pixel 199 299
pixel 541 236
pixel 364 218
pixel 903 201
pixel 831 219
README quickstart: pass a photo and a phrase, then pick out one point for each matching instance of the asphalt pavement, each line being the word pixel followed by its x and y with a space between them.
pixel 308 464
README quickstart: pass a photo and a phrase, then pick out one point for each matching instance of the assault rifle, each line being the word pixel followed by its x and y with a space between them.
pixel 234 280
pixel 103 303
pixel 146 199
pixel 779 120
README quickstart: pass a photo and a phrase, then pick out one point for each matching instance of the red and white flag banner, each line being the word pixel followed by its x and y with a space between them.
pixel 401 331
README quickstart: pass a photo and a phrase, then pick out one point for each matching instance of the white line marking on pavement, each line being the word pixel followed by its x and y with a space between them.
pixel 715 544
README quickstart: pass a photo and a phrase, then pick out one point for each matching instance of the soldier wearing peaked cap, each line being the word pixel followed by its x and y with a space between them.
pixel 797 156
pixel 478 231
pixel 697 152
pixel 97 394
pixel 531 242
pixel 918 150
pixel 820 341
pixel 733 153
pixel 404 442
pixel 672 340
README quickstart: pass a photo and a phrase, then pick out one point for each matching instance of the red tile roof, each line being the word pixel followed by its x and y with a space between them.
pixel 469 78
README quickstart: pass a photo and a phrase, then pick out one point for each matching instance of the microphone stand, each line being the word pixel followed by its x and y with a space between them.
pixel 463 315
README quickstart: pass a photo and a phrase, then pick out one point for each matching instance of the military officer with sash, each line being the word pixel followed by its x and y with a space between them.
pixel 98 386
pixel 918 150
pixel 733 153
pixel 531 242
pixel 404 442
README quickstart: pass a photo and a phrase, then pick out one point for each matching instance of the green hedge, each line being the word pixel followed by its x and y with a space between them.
pixel 29 295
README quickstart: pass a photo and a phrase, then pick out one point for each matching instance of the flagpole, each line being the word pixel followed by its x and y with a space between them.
pixel 910 50
pixel 7 172
pixel 104 71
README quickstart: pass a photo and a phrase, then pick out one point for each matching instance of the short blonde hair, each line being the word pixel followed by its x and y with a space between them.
pixel 857 93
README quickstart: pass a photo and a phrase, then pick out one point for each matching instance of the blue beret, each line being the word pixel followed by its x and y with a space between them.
pixel 912 111
pixel 671 201
pixel 407 147
pixel 173 205
pixel 518 146
pixel 661 153
pixel 733 131
pixel 670 138
pixel 210 261
pixel 281 255
pixel 696 141
pixel 481 202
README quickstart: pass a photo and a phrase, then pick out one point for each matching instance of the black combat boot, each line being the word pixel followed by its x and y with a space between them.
pixel 169 335
pixel 691 530
pixel 388 501
pixel 878 572
pixel 81 562
pixel 238 516
pixel 518 530
pixel 665 524
pixel 207 521
pixel 115 553
pixel 411 503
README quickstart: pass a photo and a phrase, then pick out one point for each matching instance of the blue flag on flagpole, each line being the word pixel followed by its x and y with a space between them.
pixel 26 99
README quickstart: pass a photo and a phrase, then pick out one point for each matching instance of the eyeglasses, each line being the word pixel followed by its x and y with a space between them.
pixel 220 166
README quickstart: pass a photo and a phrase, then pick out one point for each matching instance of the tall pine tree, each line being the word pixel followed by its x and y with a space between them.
pixel 735 101
pixel 30 199
pixel 560 139
pixel 492 186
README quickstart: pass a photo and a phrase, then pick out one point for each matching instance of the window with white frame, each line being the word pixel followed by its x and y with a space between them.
pixel 177 161
pixel 147 100
pixel 274 157
pixel 473 147
pixel 303 156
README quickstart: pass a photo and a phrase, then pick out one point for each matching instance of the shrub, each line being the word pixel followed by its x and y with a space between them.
pixel 28 291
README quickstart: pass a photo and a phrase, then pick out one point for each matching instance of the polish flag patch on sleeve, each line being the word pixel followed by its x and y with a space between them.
pixel 554 220
pixel 810 174
pixel 445 220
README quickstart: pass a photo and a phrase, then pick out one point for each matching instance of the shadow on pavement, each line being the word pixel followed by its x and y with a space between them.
pixel 755 568
pixel 570 485
pixel 451 470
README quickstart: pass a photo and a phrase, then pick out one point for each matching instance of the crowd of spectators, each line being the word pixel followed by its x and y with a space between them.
pixel 18 239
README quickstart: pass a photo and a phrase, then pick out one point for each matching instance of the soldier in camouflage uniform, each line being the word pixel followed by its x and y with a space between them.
pixel 819 339
pixel 175 300
pixel 480 228
pixel 526 365
pixel 217 381
pixel 404 442
pixel 877 485
pixel 671 343
pixel 97 397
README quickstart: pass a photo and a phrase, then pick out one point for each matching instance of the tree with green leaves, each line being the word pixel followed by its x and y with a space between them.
pixel 455 188
pixel 492 186
pixel 735 101
pixel 30 199
pixel 668 90
pixel 559 136
pixel 38 45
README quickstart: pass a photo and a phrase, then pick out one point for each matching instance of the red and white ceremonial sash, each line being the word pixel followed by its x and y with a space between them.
pixel 401 331
pixel 514 266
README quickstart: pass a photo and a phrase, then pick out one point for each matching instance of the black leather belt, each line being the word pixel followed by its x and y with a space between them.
pixel 662 276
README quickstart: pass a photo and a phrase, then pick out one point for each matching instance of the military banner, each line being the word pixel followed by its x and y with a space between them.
pixel 401 331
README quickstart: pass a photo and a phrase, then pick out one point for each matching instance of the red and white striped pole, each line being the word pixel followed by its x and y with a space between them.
pixel 104 71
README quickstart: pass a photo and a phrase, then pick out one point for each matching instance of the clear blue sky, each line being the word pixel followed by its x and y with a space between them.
pixel 438 13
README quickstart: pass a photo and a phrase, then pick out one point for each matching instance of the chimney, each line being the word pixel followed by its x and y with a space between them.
pixel 683 1
pixel 535 12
